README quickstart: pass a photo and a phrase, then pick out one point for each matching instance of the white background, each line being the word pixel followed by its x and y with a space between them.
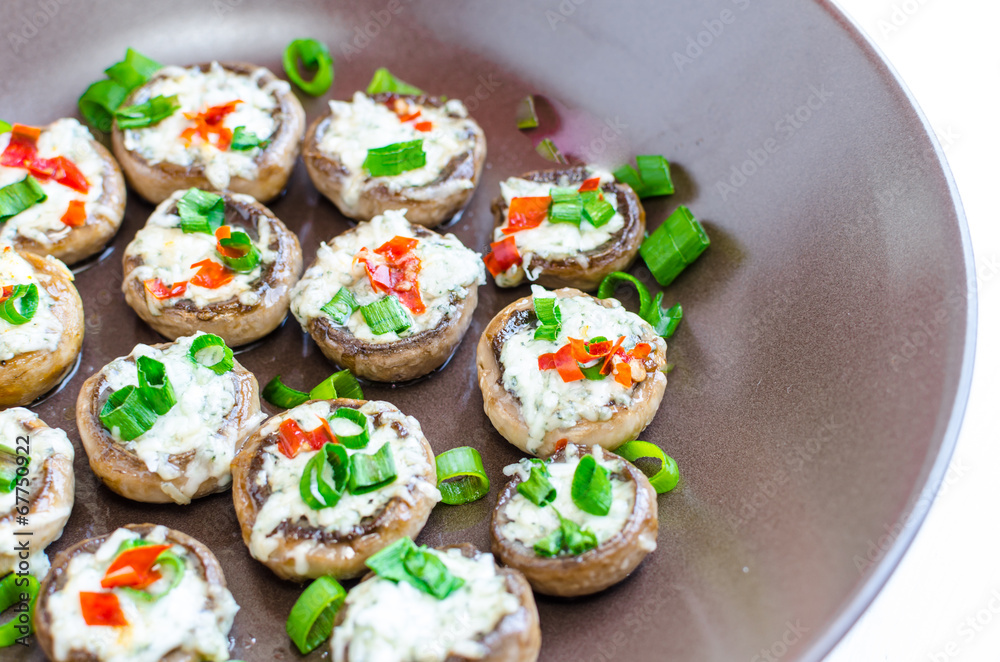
pixel 943 602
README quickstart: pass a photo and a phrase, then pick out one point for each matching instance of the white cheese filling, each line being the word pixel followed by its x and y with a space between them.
pixel 549 403
pixel 447 269
pixel 197 91
pixel 530 523
pixel 42 222
pixel 387 622
pixel 194 425
pixel 44 524
pixel 195 617
pixel 44 331
pixel 362 124
pixel 168 253
pixel 282 475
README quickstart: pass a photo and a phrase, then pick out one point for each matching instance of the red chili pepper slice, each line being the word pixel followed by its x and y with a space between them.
pixel 526 213
pixel 6 292
pixel 158 289
pixel 397 247
pixel 591 184
pixel 606 368
pixel 321 435
pixel 424 126
pixel 399 272
pixel 208 123
pixel 102 609
pixel 22 152
pixel 290 438
pixel 581 353
pixel 76 214
pixel 623 374
pixel 134 567
pixel 641 350
pixel 566 365
pixel 211 274
pixel 547 361
pixel 561 444
pixel 502 257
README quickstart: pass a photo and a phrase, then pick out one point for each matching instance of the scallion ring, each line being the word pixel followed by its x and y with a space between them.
pixel 350 426
pixel 19 308
pixel 133 71
pixel 548 151
pixel 674 245
pixel 244 140
pixel 12 589
pixel 201 211
pixel 16 197
pixel 341 384
pixel 311 620
pixel 211 351
pixel 387 315
pixel 526 116
pixel 371 472
pixel 384 81
pixel 610 284
pixel 395 159
pixel 461 476
pixel 282 396
pixel 166 559
pixel 591 488
pixel 315 57
pixel 241 243
pixel 315 488
pixel 537 489
pixel 341 306
pixel 128 412
pixel 549 317
pixel 147 113
pixel 154 385
pixel 664 320
pixel 660 468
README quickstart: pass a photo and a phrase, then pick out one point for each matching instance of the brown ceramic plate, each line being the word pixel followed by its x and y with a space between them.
pixel 825 355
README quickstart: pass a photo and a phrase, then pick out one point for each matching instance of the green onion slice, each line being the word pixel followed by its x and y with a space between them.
pixel 282 396
pixel 546 332
pixel 201 211
pixel 4 127
pixel 148 113
pixel 549 318
pixel 593 372
pixel 129 412
pixel 403 561
pixel 133 71
pixel 315 57
pixel 660 468
pixel 100 101
pixel 652 179
pixel 371 472
pixel 567 211
pixel 20 307
pixel 537 489
pixel 350 426
pixel 591 489
pixel 548 151
pixel 341 306
pixel 395 158
pixel 166 559
pixel 16 197
pixel 211 351
pixel 11 588
pixel 527 118
pixel 386 315
pixel 311 620
pixel 244 140
pixel 384 81
pixel 341 384
pixel 570 538
pixel 461 476
pixel 9 463
pixel 674 245
pixel 316 487
pixel 597 211
pixel 610 283
pixel 240 241
pixel 665 321
pixel 154 385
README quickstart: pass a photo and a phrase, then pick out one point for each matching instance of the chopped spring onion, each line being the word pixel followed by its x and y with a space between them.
pixel 154 385
pixel 570 538
pixel 372 472
pixel 127 411
pixel 244 140
pixel 10 460
pixel 674 245
pixel 386 315
pixel 351 427
pixel 591 489
pixel 395 158
pixel 548 151
pixel 315 57
pixel 461 476
pixel 537 489
pixel 282 396
pixel 211 351
pixel 240 253
pixel 527 118
pixel 665 320
pixel 403 561
pixel 652 179
pixel 660 468
pixel 341 306
pixel 318 491
pixel 147 113
pixel 100 101
pixel 12 587
pixel 4 127
pixel 597 211
pixel 20 306
pixel 133 71
pixel 549 318
pixel 611 282
pixel 566 208
pixel 384 81
pixel 16 197
pixel 201 211
pixel 341 384
pixel 311 620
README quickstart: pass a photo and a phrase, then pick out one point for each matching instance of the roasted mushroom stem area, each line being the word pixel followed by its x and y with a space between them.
pixel 94 607
pixel 187 451
pixel 298 540
pixel 491 616
pixel 41 459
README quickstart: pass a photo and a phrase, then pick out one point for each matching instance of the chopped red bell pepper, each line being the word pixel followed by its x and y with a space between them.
pixel 22 152
pixel 547 361
pixel 76 214
pixel 134 567
pixel 502 257
pixel 606 368
pixel 208 123
pixel 321 435
pixel 397 247
pixel 600 348
pixel 290 438
pixel 398 273
pixel 158 289
pixel 526 213
pixel 591 184
pixel 424 126
pixel 566 365
pixel 102 609
pixel 211 274
pixel 561 444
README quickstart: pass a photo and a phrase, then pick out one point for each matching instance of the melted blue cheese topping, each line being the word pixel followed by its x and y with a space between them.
pixel 46 523
pixel 447 269
pixel 168 252
pixel 549 403
pixel 529 523
pixel 362 124
pixel 198 91
pixel 44 331
pixel 194 424
pixel 385 621
pixel 195 617
pixel 549 240
pixel 42 222
pixel 282 475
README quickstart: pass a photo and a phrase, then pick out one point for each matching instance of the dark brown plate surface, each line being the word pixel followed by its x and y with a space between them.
pixel 825 355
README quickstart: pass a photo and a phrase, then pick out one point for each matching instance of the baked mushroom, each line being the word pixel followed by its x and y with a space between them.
pixel 83 187
pixel 598 381
pixel 143 593
pixel 389 300
pixel 490 617
pixel 564 549
pixel 177 441
pixel 225 272
pixel 301 522
pixel 236 127
pixel 36 350
pixel 36 469
pixel 564 228
pixel 345 152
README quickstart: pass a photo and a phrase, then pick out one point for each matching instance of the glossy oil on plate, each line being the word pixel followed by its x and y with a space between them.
pixel 824 358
